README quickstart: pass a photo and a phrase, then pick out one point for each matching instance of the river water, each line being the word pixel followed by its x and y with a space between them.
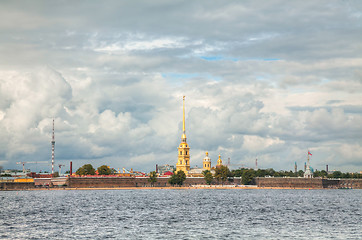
pixel 181 214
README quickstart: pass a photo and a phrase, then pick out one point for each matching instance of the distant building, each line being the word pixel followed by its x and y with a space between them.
pixel 14 172
pixel 165 168
pixel 196 172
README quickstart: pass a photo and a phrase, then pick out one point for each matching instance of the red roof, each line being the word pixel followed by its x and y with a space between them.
pixel 168 173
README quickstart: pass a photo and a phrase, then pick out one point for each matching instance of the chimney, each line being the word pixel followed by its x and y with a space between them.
pixel 71 168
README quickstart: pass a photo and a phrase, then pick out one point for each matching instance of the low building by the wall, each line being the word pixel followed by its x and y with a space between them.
pixel 42 182
pixel 59 182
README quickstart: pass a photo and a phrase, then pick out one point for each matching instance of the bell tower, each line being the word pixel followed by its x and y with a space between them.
pixel 206 162
pixel 183 162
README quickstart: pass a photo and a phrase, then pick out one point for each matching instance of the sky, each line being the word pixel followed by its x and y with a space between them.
pixel 262 79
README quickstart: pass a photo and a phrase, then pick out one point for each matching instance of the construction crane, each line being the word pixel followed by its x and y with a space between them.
pixel 124 170
pixel 60 168
pixel 23 163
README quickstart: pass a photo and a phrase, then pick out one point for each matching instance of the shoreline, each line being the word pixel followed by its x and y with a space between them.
pixel 158 188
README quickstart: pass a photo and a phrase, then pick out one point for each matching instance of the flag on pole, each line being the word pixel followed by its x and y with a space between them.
pixel 309 153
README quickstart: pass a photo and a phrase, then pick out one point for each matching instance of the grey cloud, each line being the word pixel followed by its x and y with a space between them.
pixel 119 70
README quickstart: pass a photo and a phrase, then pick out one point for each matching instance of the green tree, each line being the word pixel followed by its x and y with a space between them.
pixel 104 170
pixel 237 172
pixel 346 175
pixel 177 178
pixel 316 173
pixel 337 174
pixel 300 173
pixel 323 173
pixel 270 172
pixel 248 177
pixel 222 173
pixel 207 176
pixel 152 178
pixel 173 179
pixel 181 177
pixel 86 169
pixel 260 173
pixel 56 174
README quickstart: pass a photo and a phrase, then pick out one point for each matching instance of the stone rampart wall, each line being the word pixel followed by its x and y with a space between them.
pixel 93 182
pixel 96 182
pixel 308 183
pixel 16 185
pixel 350 183
pixel 289 182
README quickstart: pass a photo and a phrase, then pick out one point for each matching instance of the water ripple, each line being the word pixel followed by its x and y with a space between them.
pixel 181 214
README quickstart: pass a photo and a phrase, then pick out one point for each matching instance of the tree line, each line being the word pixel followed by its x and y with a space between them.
pixel 88 169
pixel 248 174
pixel 222 174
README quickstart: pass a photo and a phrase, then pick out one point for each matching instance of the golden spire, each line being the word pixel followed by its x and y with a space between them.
pixel 183 162
pixel 183 125
pixel 183 122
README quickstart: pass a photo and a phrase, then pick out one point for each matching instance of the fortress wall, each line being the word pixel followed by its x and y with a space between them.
pixel 16 185
pixel 309 183
pixel 350 183
pixel 289 182
pixel 89 182
pixel 97 182
pixel 330 183
pixel 105 182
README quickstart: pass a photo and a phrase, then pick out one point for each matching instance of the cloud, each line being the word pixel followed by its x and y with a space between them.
pixel 259 144
pixel 267 80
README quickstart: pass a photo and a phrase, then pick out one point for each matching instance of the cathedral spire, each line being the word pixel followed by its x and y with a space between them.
pixel 183 138
pixel 183 123
pixel 183 162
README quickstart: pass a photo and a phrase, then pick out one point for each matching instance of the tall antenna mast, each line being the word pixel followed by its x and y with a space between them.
pixel 256 163
pixel 53 147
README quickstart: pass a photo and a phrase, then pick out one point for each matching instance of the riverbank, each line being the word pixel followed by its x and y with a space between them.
pixel 214 187
pixel 87 183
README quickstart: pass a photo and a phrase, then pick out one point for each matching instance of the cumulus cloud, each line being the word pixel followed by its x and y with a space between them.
pixel 264 81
